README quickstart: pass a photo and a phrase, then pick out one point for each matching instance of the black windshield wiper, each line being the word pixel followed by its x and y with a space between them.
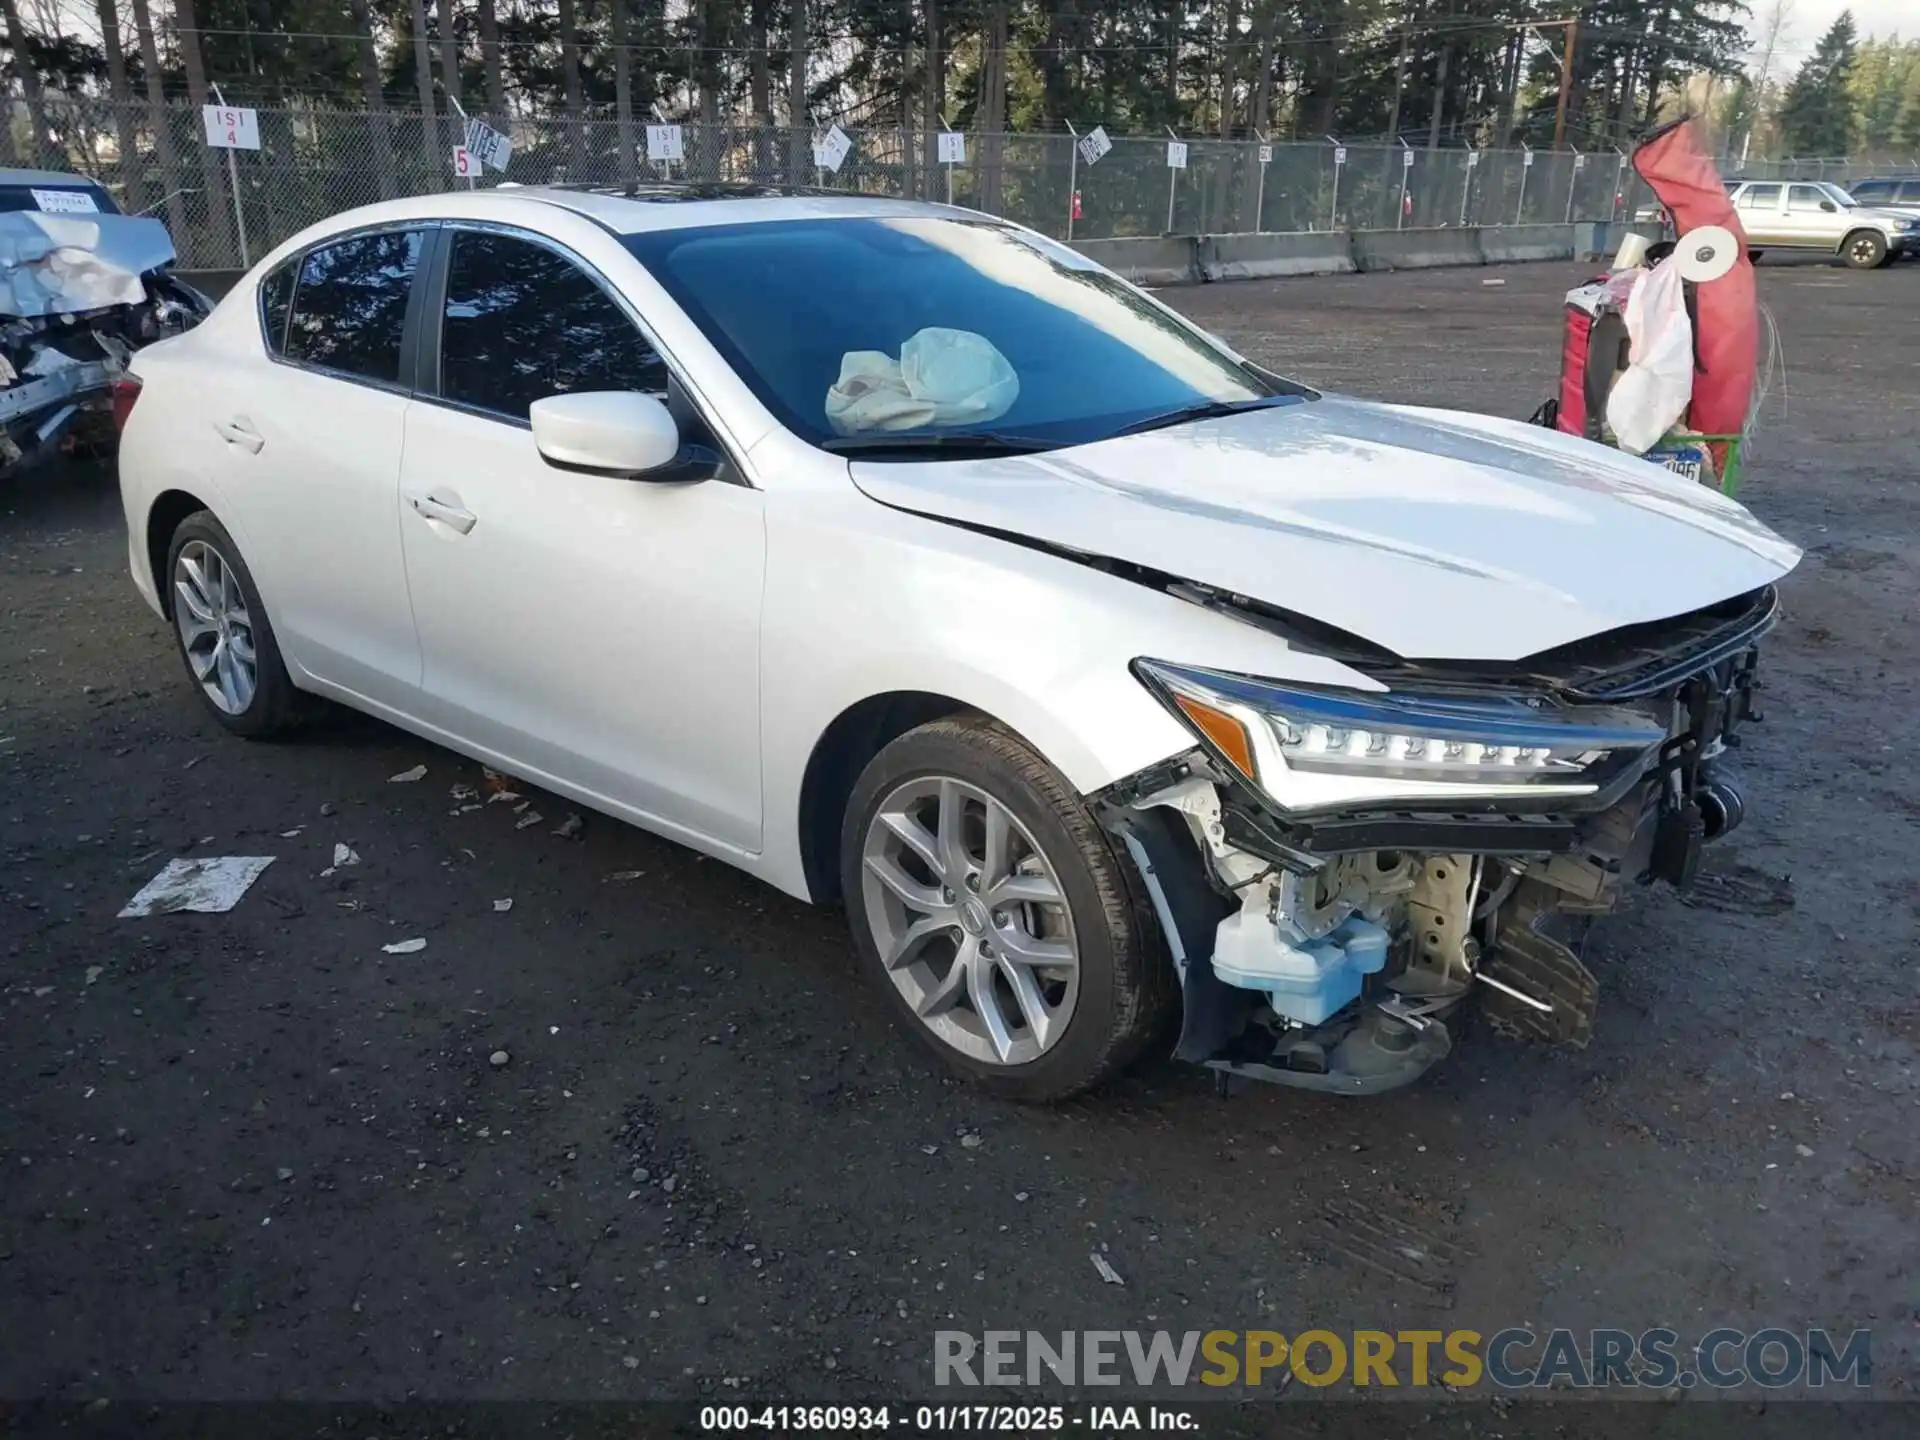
pixel 1212 409
pixel 982 442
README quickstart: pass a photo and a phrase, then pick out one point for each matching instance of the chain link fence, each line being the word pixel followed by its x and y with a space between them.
pixel 225 208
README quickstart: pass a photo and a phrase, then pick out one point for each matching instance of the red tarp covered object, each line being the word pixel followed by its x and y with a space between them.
pixel 1726 332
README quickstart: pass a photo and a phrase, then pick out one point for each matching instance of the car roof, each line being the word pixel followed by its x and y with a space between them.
pixel 632 209
pixel 45 177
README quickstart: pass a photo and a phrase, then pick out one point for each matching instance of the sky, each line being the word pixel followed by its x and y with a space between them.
pixel 1808 20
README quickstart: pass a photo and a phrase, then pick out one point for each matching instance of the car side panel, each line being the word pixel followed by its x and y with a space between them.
pixel 864 600
pixel 168 445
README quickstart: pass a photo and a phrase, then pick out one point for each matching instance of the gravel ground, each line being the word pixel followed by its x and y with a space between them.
pixel 254 1156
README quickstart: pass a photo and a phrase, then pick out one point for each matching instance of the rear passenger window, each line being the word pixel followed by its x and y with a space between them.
pixel 350 306
pixel 276 299
pixel 522 323
pixel 1760 197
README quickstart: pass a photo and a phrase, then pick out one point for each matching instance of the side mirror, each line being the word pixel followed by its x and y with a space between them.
pixel 605 432
pixel 1829 207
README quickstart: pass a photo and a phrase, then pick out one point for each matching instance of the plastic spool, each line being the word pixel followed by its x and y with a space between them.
pixel 1706 254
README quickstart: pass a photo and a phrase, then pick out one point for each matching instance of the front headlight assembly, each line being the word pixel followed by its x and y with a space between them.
pixel 1312 750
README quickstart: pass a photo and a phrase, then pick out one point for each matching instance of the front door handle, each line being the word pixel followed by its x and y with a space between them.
pixel 238 432
pixel 454 515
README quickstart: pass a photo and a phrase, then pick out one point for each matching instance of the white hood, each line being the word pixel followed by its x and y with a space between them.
pixel 1436 534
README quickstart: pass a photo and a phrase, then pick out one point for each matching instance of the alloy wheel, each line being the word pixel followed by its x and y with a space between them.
pixel 216 629
pixel 971 922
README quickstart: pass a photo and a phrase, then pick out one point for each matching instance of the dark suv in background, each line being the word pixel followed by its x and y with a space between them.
pixel 1899 193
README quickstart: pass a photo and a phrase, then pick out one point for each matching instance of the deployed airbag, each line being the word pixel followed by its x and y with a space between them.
pixel 943 377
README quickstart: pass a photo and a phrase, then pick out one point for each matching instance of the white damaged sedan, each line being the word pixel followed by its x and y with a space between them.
pixel 903 557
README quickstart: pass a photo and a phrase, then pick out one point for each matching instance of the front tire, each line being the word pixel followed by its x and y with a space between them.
pixel 225 639
pixel 1865 250
pixel 996 916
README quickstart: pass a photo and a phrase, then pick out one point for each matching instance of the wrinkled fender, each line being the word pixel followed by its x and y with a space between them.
pixel 1040 642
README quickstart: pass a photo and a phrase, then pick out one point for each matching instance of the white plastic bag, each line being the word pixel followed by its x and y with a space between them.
pixel 1657 385
pixel 943 377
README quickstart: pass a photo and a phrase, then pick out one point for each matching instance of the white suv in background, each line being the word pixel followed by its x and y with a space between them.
pixel 1819 215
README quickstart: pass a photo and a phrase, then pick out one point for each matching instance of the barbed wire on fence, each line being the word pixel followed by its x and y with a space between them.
pixel 314 162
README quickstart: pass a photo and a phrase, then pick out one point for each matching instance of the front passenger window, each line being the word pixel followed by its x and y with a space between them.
pixel 522 323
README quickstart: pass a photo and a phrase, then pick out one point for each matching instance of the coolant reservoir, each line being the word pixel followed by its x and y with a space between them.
pixel 1306 981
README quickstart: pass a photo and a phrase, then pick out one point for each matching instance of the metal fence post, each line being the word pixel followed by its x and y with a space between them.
pixel 1573 180
pixel 1526 164
pixel 1073 178
pixel 1466 185
pixel 1333 209
pixel 1263 154
pixel 233 180
pixel 1406 169
pixel 1173 182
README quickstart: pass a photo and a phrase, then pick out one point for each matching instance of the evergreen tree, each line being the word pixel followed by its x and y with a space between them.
pixel 1816 118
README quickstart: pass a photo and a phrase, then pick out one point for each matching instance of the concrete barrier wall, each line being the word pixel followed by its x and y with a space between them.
pixel 1500 244
pixel 1260 257
pixel 1420 249
pixel 1157 260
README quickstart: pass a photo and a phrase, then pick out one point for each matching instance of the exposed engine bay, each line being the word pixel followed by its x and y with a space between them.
pixel 78 295
pixel 1327 946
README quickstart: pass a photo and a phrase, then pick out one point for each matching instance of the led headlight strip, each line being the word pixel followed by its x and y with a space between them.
pixel 1310 748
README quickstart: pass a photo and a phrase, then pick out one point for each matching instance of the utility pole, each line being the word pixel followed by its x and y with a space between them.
pixel 1566 83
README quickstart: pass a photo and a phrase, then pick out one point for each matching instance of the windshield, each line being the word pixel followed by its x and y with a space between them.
pixel 1837 195
pixel 926 326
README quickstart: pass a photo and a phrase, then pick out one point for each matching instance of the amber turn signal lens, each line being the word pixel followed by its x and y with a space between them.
pixel 1228 735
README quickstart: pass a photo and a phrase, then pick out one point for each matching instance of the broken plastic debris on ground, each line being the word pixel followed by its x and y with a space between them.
pixel 210 886
pixel 405 947
pixel 407 777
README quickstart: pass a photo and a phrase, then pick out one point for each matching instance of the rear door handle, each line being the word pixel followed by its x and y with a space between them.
pixel 430 508
pixel 239 432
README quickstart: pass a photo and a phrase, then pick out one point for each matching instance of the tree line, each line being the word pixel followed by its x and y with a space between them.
pixel 1430 73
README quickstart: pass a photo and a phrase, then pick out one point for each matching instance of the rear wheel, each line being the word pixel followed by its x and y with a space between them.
pixel 995 914
pixel 225 638
pixel 1865 250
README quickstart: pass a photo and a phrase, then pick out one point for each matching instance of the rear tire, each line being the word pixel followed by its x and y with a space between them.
pixel 221 628
pixel 1864 250
pixel 972 925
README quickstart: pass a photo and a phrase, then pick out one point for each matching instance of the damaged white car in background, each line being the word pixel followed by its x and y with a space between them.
pixel 906 558
pixel 81 289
